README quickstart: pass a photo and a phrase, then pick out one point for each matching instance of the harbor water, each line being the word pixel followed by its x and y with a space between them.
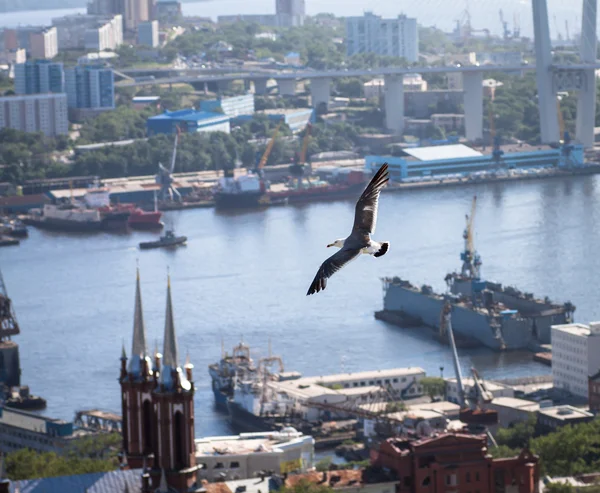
pixel 245 275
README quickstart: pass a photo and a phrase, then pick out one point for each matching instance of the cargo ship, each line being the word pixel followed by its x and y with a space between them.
pixel 485 312
pixel 240 192
pixel 140 219
pixel 112 217
pixel 348 185
pixel 66 217
pixel 223 373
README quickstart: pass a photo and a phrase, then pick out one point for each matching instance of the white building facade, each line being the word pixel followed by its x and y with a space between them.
pixel 45 113
pixel 575 356
pixel 246 455
pixel 90 32
pixel 387 37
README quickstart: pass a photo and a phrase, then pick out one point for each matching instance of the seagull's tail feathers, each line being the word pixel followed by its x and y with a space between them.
pixel 384 246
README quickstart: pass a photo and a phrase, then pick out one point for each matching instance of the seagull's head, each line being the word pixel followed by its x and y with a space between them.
pixel 337 243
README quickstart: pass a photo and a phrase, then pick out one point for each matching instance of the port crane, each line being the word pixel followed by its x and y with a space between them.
pixel 263 160
pixel 299 168
pixel 473 410
pixel 505 30
pixel 565 143
pixel 471 260
pixel 164 178
pixel 8 320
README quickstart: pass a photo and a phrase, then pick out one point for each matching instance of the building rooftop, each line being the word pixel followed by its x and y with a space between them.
pixel 469 382
pixel 27 421
pixel 565 413
pixel 432 153
pixel 373 374
pixel 146 99
pixel 340 479
pixel 98 482
pixel 189 115
pixel 285 111
pixel 248 443
pixel 445 407
pixel 581 330
pixel 515 403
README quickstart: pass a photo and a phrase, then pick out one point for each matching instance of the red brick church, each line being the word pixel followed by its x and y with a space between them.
pixel 157 397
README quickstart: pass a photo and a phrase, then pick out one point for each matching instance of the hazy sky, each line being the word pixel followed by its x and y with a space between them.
pixel 440 13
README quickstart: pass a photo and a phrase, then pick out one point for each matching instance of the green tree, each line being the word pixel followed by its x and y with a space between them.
pixel 324 464
pixel 518 435
pixel 433 386
pixel 28 464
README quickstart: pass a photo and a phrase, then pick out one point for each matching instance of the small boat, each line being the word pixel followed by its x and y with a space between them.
pixel 13 227
pixel 21 398
pixel 8 241
pixel 168 240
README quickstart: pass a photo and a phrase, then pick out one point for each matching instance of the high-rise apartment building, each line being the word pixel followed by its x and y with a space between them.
pixel 148 34
pixel 45 113
pixel 90 87
pixel 38 77
pixel 290 12
pixel 90 32
pixel 388 37
pixel 39 42
pixel 575 356
pixel 44 43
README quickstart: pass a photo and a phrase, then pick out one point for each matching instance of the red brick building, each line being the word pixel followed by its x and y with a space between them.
pixel 158 409
pixel 594 392
pixel 455 463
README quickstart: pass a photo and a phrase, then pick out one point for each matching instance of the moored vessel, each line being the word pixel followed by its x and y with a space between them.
pixel 67 216
pixel 493 315
pixel 223 372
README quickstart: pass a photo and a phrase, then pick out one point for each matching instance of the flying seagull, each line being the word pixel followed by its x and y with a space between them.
pixel 359 241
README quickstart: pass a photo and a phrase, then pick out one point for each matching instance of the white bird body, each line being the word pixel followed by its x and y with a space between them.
pixel 359 241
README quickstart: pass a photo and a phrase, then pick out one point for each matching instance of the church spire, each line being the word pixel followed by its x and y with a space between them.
pixel 170 356
pixel 138 350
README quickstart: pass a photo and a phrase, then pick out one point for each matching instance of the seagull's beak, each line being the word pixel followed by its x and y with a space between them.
pixel 330 245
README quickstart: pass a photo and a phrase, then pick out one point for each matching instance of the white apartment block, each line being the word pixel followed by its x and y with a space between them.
pixel 107 34
pixel 35 112
pixel 388 37
pixel 90 32
pixel 44 43
pixel 575 356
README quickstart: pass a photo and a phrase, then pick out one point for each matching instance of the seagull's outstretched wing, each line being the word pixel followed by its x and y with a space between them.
pixel 365 215
pixel 330 267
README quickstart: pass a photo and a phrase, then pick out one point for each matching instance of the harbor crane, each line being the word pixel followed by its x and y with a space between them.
pixel 300 167
pixel 8 320
pixel 264 158
pixel 472 409
pixel 565 144
pixel 164 178
pixel 471 260
pixel 505 30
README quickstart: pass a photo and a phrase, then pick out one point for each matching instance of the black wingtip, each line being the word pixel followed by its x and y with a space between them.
pixel 317 285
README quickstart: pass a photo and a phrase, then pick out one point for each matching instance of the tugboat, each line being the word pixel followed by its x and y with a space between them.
pixel 21 398
pixel 168 240
pixel 13 227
